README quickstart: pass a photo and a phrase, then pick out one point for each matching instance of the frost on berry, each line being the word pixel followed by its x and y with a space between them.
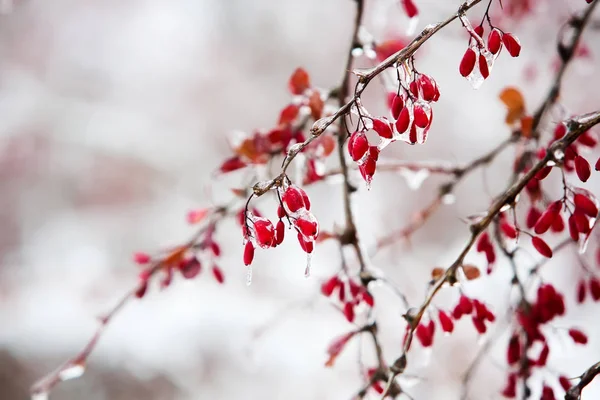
pixel 358 145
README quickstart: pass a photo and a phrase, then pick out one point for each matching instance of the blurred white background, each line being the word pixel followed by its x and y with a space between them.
pixel 113 115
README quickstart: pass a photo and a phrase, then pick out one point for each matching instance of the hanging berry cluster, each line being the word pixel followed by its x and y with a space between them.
pixel 186 260
pixel 350 294
pixel 411 114
pixel 257 148
pixel 260 232
pixel 479 312
pixel 479 58
pixel 522 345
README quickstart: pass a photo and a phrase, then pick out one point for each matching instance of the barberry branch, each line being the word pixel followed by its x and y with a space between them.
pixel 576 127
pixel 365 76
pixel 574 393
pixel 75 366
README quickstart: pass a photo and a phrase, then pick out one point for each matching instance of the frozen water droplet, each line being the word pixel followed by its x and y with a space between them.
pixel 414 179
pixel 505 207
pixel 40 396
pixel 294 149
pixel 249 276
pixel 357 52
pixel 308 265
pixel 550 163
pixel 558 154
pixel 320 125
pixel 408 381
pixel 71 372
pixel 449 199
pixel 475 78
pixel 261 187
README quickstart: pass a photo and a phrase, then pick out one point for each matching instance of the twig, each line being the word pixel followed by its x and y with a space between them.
pixel 365 76
pixel 576 127
pixel 574 393
pixel 75 366
pixel 421 217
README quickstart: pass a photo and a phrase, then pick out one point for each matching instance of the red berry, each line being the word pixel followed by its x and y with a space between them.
pixel 141 258
pixel 191 268
pixel 358 145
pixel 513 354
pixel 349 312
pixel 468 62
pixel 578 336
pixel 479 30
pixel 248 253
pixel 595 288
pixel 564 382
pixel 218 274
pixel 582 167
pixel 397 106
pixel 403 120
pixel 541 246
pixel 279 232
pixel 446 322
pixel 383 128
pixel 420 116
pixel 294 199
pixel 512 44
pixel 494 41
pixel 329 285
pixel 483 66
pixel 410 8
pixel 586 205
pixel 581 291
pixel 264 232
pixel 509 230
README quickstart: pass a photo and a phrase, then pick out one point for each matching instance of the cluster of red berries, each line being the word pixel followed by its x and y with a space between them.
pixel 548 305
pixel 295 207
pixel 350 295
pixel 412 116
pixel 479 312
pixel 259 147
pixel 183 260
pixel 484 56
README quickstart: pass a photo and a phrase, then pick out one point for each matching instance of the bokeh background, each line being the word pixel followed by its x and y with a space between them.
pixel 113 117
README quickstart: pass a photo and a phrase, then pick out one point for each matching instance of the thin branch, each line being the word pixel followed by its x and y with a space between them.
pixel 75 366
pixel 574 393
pixel 421 217
pixel 365 76
pixel 576 127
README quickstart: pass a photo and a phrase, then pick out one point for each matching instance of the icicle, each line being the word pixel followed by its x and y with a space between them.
pixel 308 262
pixel 249 275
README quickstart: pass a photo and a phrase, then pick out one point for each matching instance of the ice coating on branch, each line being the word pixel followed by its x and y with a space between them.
pixel 71 372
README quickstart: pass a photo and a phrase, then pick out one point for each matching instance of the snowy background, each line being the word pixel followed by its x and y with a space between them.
pixel 113 115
